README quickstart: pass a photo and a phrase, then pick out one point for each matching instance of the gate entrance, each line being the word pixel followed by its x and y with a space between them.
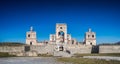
pixel 61 48
pixel 27 48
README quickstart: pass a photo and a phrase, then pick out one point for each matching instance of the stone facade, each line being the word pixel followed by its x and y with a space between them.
pixel 90 38
pixel 61 35
pixel 109 49
pixel 34 50
pixel 60 44
pixel 61 41
pixel 31 37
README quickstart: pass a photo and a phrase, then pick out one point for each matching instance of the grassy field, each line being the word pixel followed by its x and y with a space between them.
pixel 106 54
pixel 3 54
pixel 75 60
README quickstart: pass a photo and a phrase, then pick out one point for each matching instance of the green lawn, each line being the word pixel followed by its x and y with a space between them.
pixel 86 61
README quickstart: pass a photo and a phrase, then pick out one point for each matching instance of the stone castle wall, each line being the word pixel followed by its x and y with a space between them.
pixel 80 49
pixel 109 49
pixel 44 49
pixel 11 48
pixel 50 48
pixel 33 50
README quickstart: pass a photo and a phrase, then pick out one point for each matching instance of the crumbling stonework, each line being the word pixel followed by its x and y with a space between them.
pixel 90 38
pixel 61 41
pixel 60 44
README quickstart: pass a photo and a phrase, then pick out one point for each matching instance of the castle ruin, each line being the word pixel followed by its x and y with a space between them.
pixel 60 44
pixel 62 41
pixel 61 36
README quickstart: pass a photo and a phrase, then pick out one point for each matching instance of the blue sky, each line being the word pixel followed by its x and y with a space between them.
pixel 16 17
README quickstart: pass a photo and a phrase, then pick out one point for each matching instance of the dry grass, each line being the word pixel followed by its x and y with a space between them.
pixel 103 54
pixel 87 61
pixel 5 54
pixel 45 55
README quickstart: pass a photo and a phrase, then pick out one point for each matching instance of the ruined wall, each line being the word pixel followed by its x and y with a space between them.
pixel 43 49
pixel 109 49
pixel 81 49
pixel 49 49
pixel 11 48
pixel 32 50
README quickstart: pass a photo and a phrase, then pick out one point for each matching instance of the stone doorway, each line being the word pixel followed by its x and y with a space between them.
pixel 30 43
pixel 61 48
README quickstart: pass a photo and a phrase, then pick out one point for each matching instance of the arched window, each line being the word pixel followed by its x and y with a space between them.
pixel 93 36
pixel 91 43
pixel 30 43
pixel 60 27
pixel 61 33
pixel 28 35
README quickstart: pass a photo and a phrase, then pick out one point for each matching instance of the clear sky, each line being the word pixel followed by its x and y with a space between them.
pixel 16 17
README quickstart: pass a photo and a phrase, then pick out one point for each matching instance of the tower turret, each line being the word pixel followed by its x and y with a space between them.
pixel 31 37
pixel 90 37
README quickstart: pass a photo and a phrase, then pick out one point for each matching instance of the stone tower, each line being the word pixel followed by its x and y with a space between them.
pixel 61 33
pixel 90 38
pixel 31 37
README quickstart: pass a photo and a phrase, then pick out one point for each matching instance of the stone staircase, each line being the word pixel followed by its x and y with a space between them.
pixel 61 54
